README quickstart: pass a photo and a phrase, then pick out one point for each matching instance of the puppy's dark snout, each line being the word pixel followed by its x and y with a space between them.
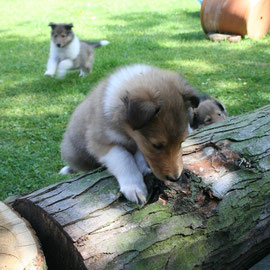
pixel 173 178
pixel 58 45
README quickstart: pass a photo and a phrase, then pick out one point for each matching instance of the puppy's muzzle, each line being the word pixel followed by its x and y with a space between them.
pixel 173 178
pixel 58 45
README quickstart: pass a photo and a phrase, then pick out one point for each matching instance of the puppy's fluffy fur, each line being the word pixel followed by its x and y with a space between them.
pixel 68 52
pixel 136 117
pixel 209 111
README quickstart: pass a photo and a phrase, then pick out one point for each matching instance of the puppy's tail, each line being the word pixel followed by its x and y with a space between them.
pixel 98 43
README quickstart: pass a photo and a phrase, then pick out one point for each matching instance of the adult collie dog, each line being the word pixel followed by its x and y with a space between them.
pixel 135 119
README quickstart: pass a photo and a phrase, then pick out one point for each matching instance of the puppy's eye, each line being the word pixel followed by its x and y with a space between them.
pixel 208 120
pixel 55 36
pixel 158 146
pixel 219 114
pixel 63 36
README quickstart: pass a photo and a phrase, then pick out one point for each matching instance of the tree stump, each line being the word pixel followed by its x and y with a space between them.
pixel 19 247
pixel 216 217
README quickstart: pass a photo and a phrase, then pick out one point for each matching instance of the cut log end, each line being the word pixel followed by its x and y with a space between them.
pixel 19 247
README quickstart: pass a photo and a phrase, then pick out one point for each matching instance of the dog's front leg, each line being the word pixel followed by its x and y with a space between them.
pixel 141 163
pixel 63 67
pixel 122 165
pixel 51 66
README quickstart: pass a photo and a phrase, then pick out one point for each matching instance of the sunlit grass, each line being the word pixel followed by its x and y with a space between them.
pixel 35 109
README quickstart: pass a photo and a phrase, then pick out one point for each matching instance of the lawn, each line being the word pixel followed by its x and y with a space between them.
pixel 35 109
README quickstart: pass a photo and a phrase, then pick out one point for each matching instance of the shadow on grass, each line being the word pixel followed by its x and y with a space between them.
pixel 190 36
pixel 193 14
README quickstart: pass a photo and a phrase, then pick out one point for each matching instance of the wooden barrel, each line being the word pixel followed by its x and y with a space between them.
pixel 242 17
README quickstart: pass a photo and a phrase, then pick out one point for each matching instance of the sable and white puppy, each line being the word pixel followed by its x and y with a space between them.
pixel 209 111
pixel 136 117
pixel 68 52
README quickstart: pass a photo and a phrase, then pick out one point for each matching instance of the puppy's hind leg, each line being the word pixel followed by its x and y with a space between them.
pixel 63 67
pixel 66 170
pixel 88 66
pixel 77 158
pixel 83 72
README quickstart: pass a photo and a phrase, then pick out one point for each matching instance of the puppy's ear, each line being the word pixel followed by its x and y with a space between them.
pixel 139 112
pixel 52 25
pixel 195 121
pixel 69 26
pixel 191 116
pixel 191 98
pixel 221 107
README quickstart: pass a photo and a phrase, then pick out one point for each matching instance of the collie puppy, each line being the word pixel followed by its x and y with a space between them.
pixel 209 111
pixel 68 52
pixel 135 119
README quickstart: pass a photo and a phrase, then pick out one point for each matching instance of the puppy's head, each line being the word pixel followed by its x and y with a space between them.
pixel 208 112
pixel 61 34
pixel 157 120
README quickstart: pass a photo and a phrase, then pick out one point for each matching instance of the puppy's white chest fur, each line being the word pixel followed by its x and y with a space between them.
pixel 71 51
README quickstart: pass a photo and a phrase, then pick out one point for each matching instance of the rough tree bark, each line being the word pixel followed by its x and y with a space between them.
pixel 217 217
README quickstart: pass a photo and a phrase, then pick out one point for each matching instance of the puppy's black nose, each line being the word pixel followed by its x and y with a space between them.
pixel 58 45
pixel 173 178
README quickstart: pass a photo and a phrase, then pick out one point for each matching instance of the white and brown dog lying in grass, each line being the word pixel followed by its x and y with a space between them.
pixel 209 111
pixel 68 52
pixel 136 117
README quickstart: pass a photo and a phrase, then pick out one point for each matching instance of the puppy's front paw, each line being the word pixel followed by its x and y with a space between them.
pixel 49 73
pixel 135 193
pixel 61 75
pixel 146 171
pixel 143 167
pixel 141 163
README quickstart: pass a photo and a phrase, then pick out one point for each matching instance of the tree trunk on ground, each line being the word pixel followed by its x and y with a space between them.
pixel 218 217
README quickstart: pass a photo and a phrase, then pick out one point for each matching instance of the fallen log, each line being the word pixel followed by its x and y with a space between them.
pixel 216 217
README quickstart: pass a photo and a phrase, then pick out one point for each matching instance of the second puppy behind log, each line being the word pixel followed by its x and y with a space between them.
pixel 209 111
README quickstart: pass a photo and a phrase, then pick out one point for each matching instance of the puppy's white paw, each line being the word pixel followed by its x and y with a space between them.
pixel 65 170
pixel 146 170
pixel 61 75
pixel 82 73
pixel 143 168
pixel 141 163
pixel 49 73
pixel 135 193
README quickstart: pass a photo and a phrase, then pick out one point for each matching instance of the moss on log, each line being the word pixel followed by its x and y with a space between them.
pixel 216 217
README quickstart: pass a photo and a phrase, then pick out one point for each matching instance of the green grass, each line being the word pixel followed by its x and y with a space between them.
pixel 34 110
